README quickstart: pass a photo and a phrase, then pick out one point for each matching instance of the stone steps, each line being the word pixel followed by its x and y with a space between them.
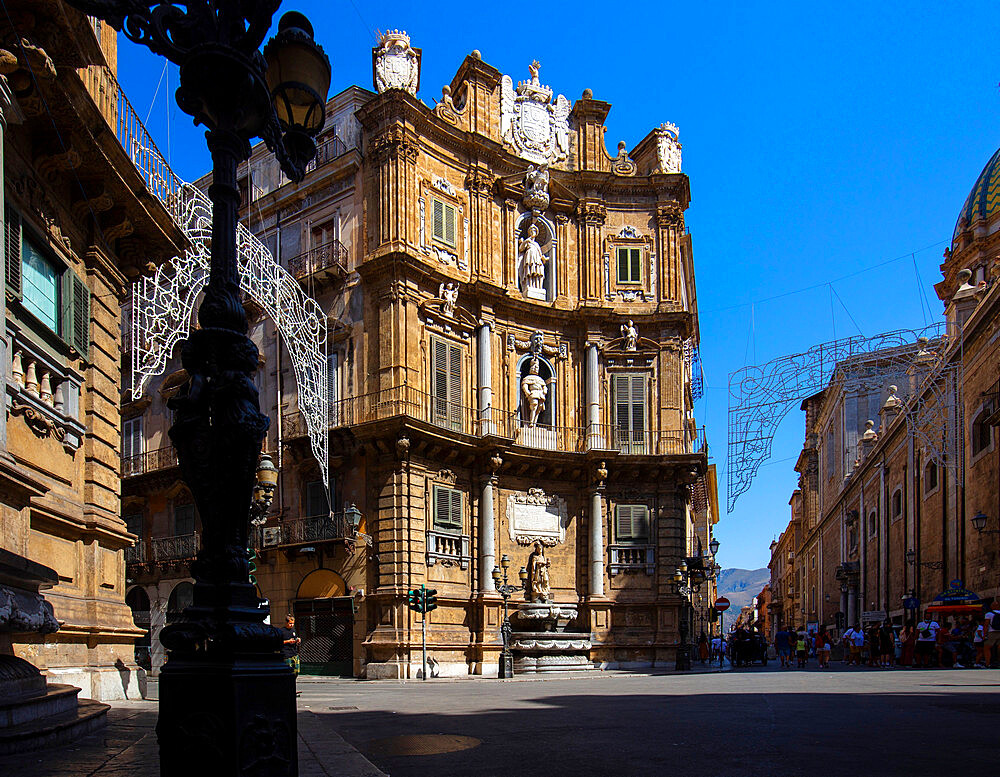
pixel 84 717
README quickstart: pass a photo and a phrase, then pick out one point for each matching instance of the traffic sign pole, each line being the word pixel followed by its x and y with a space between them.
pixel 423 625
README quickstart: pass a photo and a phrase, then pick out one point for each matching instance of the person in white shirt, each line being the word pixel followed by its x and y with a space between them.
pixel 854 640
pixel 927 631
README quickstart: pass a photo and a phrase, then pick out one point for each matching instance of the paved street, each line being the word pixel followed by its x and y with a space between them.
pixel 747 722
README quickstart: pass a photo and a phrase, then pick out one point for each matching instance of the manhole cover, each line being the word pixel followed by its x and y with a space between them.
pixel 421 744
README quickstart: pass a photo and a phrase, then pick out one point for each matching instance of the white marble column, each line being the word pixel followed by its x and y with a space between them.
pixel 597 542
pixel 487 537
pixel 595 439
pixel 484 373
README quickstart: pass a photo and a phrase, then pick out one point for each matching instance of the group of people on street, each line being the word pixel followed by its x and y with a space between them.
pixel 959 641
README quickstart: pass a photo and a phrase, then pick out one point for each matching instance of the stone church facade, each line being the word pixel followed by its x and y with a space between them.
pixel 513 336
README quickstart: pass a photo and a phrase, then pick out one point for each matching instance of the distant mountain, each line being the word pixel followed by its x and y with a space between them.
pixel 740 586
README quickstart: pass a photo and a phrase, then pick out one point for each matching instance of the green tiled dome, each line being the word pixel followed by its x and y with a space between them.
pixel 984 199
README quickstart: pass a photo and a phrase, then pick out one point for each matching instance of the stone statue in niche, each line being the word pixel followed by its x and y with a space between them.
pixel 532 265
pixel 539 589
pixel 534 392
pixel 630 335
pixel 448 293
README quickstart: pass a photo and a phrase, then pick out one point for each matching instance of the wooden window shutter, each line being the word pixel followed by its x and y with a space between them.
pixel 455 508
pixel 636 265
pixel 622 265
pixel 12 251
pixel 437 220
pixel 76 312
pixel 447 508
pixel 620 387
pixel 638 402
pixel 623 522
pixel 439 380
pixel 449 224
pixel 455 386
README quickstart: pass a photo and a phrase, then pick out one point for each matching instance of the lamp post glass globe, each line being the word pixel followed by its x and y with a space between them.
pixel 505 561
pixel 678 576
pixel 683 567
pixel 979 521
pixel 911 556
pixel 713 546
pixel 523 575
pixel 496 575
pixel 298 75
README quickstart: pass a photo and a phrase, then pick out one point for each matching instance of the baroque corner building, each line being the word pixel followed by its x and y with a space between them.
pixel 513 335
pixel 77 224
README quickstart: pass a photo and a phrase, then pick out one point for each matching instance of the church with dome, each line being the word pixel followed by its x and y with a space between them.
pixel 898 503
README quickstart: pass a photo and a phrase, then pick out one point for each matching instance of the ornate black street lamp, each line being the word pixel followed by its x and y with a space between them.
pixel 227 700
pixel 683 586
pixel 506 590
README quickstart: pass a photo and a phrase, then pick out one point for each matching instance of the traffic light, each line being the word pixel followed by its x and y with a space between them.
pixel 414 600
pixel 253 565
pixel 430 599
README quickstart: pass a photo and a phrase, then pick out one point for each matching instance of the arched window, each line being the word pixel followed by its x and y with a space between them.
pixel 930 477
pixel 180 599
pixel 872 523
pixel 897 503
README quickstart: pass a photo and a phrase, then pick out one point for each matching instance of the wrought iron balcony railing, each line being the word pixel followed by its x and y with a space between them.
pixel 329 257
pixel 410 402
pixel 150 461
pixel 301 531
pixel 137 553
pixel 326 151
pixel 176 548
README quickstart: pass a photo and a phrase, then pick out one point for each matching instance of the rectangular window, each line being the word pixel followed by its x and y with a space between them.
pixel 133 524
pixel 447 509
pixel 183 519
pixel 446 384
pixel 132 437
pixel 631 523
pixel 39 284
pixel 982 432
pixel 830 442
pixel 314 500
pixel 629 402
pixel 630 265
pixel 443 222
pixel 930 477
pixel 333 387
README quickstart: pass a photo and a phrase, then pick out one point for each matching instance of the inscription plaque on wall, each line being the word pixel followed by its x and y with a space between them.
pixel 536 517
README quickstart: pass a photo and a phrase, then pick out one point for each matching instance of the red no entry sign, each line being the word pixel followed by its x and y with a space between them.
pixel 721 604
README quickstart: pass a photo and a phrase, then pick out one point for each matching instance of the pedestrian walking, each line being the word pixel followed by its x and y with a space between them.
pixel 873 643
pixel 887 644
pixel 856 641
pixel 823 648
pixel 991 645
pixel 290 644
pixel 908 643
pixel 927 631
pixel 783 647
pixel 802 649
pixel 703 648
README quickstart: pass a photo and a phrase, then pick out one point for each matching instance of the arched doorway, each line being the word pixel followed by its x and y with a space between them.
pixel 138 601
pixel 324 620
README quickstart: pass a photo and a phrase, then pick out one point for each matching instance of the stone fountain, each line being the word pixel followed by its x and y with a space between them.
pixel 541 640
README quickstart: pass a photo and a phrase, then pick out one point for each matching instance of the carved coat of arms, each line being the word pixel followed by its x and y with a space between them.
pixel 396 63
pixel 668 148
pixel 531 123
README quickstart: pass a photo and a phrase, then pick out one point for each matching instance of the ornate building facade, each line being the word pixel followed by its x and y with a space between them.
pixel 512 341
pixel 77 223
pixel 899 497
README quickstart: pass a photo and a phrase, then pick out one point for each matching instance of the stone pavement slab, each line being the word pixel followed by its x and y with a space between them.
pixel 128 748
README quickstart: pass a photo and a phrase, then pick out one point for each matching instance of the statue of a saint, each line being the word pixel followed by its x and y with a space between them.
pixel 534 391
pixel 538 575
pixel 448 292
pixel 532 265
pixel 630 335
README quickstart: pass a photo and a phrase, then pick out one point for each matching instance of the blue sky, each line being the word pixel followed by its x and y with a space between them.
pixel 819 144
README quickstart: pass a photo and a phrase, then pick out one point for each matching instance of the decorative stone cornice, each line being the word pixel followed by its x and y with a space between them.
pixel 479 181
pixel 670 215
pixel 592 213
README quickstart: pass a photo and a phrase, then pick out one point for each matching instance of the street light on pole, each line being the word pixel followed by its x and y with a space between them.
pixel 506 590
pixel 225 685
